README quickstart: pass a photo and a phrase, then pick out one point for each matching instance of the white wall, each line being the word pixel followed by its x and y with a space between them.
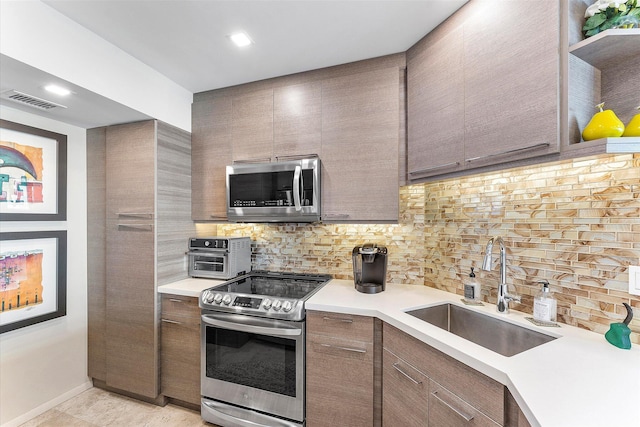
pixel 38 35
pixel 44 364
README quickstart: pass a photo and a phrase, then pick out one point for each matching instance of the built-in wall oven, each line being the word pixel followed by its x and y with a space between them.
pixel 253 349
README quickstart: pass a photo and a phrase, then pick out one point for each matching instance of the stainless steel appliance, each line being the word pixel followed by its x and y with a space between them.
pixel 369 268
pixel 253 349
pixel 287 191
pixel 219 257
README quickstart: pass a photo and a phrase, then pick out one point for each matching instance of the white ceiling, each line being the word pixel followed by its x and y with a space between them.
pixel 186 40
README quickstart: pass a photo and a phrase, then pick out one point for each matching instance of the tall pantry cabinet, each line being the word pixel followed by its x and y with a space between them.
pixel 139 220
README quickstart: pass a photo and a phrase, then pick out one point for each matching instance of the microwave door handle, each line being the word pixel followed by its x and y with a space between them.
pixel 296 187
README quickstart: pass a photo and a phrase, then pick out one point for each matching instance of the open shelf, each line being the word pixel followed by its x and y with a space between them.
pixel 630 144
pixel 607 46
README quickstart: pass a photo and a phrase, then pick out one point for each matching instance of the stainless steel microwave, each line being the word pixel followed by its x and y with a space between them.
pixel 287 191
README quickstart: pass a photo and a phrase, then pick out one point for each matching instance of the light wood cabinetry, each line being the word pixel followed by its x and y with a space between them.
pixel 435 103
pixel 210 153
pixel 348 115
pixel 405 393
pixel 455 391
pixel 360 115
pixel 483 89
pixel 340 370
pixel 142 174
pixel 180 348
pixel 297 120
pixel 252 126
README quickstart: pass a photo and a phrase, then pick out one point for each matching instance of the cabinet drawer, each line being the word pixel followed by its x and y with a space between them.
pixel 474 387
pixel 346 326
pixel 180 306
pixel 405 393
pixel 447 409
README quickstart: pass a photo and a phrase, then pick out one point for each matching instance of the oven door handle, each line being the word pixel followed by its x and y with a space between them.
pixel 221 253
pixel 250 325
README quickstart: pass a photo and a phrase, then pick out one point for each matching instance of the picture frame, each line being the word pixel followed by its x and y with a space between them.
pixel 33 278
pixel 33 173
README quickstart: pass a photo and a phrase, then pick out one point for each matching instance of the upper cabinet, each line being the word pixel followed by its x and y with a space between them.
pixel 297 120
pixel 483 88
pixel 347 115
pixel 498 85
pixel 360 114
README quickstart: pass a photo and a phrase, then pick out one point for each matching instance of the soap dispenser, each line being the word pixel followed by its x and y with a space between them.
pixel 472 288
pixel 545 306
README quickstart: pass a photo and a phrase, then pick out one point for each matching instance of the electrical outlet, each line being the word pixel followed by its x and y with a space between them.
pixel 634 280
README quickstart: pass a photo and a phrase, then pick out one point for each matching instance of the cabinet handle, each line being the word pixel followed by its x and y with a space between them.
pixel 337 347
pixel 175 300
pixel 433 168
pixel 466 417
pixel 515 150
pixel 409 377
pixel 335 216
pixel 173 322
pixel 262 160
pixel 145 215
pixel 337 319
pixel 218 217
pixel 295 157
pixel 142 227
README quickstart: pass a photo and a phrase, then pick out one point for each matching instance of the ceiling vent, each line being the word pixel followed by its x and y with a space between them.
pixel 30 100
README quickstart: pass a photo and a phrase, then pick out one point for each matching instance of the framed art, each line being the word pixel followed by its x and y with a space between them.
pixel 33 278
pixel 33 174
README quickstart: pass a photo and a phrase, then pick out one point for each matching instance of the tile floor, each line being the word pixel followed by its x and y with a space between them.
pixel 99 408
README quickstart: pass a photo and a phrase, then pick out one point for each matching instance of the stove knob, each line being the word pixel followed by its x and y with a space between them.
pixel 217 299
pixel 277 304
pixel 207 297
pixel 226 300
pixel 267 304
pixel 287 306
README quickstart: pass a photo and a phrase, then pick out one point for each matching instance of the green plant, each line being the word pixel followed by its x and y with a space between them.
pixel 606 14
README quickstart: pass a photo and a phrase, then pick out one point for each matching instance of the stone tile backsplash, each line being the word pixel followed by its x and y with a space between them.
pixel 574 223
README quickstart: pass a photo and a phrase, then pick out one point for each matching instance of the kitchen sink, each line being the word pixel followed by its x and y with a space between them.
pixel 497 335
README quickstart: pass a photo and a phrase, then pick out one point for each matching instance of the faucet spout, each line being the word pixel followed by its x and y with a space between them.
pixel 502 305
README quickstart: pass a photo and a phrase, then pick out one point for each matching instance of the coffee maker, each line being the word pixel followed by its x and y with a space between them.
pixel 369 268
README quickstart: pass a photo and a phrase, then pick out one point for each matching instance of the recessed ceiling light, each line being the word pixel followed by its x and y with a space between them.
pixel 240 39
pixel 58 90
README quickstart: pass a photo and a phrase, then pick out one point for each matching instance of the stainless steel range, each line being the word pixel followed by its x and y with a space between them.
pixel 253 349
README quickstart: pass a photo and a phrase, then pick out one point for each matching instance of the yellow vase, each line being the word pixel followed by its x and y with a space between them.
pixel 633 127
pixel 604 124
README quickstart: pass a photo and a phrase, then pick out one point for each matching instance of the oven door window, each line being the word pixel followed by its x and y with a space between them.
pixel 253 360
pixel 210 262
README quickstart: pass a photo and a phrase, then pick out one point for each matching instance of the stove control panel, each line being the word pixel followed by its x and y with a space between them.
pixel 264 305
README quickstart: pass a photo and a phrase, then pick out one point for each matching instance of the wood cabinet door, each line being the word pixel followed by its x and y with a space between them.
pixel 512 80
pixel 297 120
pixel 180 348
pixel 405 393
pixel 252 126
pixel 360 116
pixel 339 382
pixel 435 103
pixel 210 154
pixel 131 325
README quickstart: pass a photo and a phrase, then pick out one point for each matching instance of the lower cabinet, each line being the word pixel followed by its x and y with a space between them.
pixel 424 387
pixel 180 348
pixel 340 370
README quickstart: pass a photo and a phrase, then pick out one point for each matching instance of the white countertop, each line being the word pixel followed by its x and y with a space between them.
pixel 188 287
pixel 578 379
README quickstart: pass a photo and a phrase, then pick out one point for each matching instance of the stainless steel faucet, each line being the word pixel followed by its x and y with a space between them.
pixel 502 305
